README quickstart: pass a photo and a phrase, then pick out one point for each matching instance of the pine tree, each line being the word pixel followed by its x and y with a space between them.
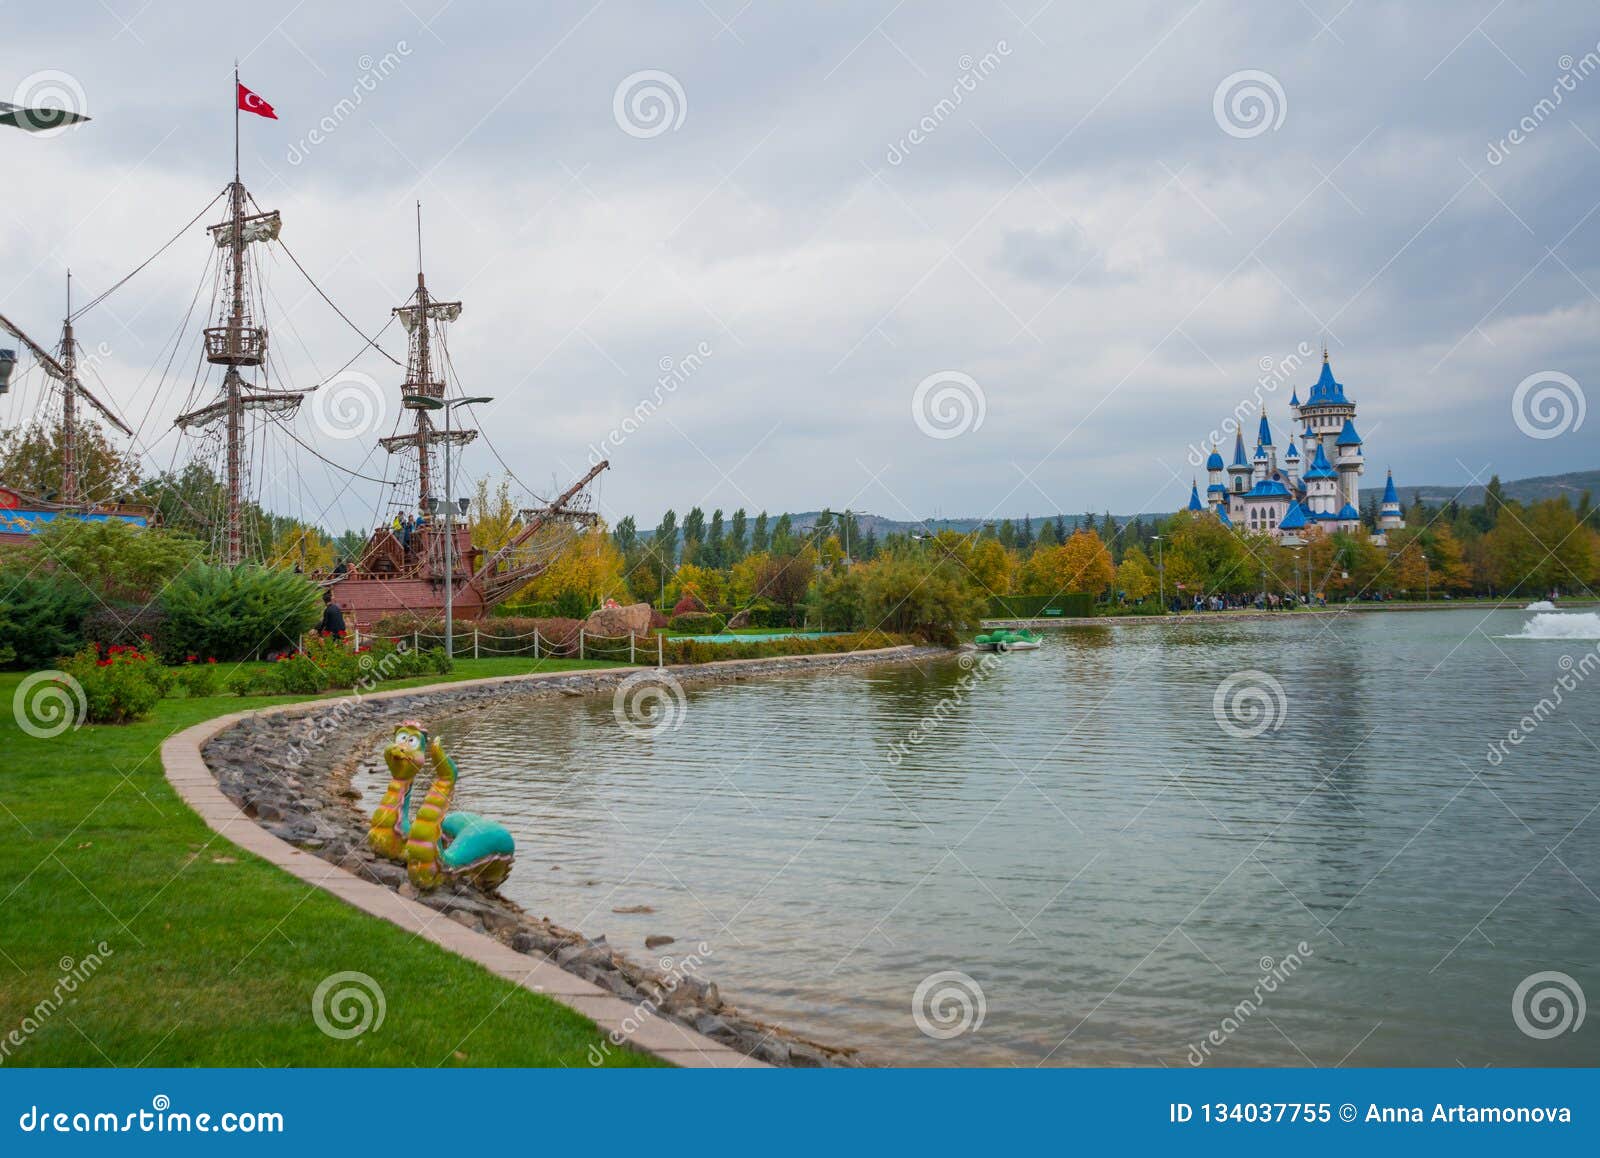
pixel 1025 534
pixel 736 534
pixel 759 540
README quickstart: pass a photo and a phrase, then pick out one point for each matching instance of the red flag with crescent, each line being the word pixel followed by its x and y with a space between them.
pixel 249 102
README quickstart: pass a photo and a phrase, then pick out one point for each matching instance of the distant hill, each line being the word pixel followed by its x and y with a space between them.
pixel 1525 490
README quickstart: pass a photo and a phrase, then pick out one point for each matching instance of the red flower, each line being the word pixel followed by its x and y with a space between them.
pixel 211 659
pixel 102 663
pixel 146 638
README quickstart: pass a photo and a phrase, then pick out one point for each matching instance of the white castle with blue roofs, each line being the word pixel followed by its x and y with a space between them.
pixel 1315 486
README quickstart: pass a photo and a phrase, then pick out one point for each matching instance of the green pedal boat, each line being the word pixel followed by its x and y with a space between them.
pixel 1010 641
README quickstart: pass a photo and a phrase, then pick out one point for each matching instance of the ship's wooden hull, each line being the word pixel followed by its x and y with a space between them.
pixel 365 600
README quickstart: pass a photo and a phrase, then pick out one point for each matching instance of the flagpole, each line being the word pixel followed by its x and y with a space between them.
pixel 236 121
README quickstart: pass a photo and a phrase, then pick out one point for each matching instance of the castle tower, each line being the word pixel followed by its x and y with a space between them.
pixel 1216 490
pixel 1294 409
pixel 1239 468
pixel 1350 464
pixel 1389 518
pixel 1291 467
pixel 1322 487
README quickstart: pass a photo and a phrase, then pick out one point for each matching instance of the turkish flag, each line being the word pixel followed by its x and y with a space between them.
pixel 250 103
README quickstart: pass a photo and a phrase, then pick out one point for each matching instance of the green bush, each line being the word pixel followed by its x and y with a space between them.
pixel 839 602
pixel 120 685
pixel 128 625
pixel 698 623
pixel 769 615
pixel 41 619
pixel 1040 606
pixel 199 679
pixel 238 612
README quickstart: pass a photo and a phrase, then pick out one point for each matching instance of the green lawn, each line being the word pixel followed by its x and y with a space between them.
pixel 215 955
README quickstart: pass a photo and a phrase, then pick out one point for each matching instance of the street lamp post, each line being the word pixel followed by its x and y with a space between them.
pixel 449 508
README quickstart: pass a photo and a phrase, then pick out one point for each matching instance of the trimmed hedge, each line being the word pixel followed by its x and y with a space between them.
pixel 1040 606
pixel 698 623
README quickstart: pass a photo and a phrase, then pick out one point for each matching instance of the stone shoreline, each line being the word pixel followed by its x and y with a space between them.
pixel 289 770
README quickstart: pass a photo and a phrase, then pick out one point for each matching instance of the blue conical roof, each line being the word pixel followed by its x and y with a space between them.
pixel 1238 450
pixel 1264 436
pixel 1194 497
pixel 1222 515
pixel 1326 389
pixel 1320 467
pixel 1294 519
pixel 1215 461
pixel 1348 436
pixel 1294 397
pixel 1293 452
pixel 1390 496
pixel 1349 514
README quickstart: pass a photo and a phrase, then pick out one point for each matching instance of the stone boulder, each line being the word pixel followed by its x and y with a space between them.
pixel 631 620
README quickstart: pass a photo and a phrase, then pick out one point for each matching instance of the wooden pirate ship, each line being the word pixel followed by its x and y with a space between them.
pixel 405 565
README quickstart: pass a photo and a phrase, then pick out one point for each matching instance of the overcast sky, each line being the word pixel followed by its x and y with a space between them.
pixel 1097 223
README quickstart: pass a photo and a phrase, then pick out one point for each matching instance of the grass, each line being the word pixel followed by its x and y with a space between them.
pixel 215 955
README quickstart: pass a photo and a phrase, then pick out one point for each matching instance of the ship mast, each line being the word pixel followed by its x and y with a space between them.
pixel 237 342
pixel 65 370
pixel 421 381
pixel 69 407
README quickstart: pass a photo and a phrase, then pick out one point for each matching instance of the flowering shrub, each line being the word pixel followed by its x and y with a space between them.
pixel 120 683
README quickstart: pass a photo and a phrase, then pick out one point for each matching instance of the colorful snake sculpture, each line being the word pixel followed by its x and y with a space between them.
pixel 435 845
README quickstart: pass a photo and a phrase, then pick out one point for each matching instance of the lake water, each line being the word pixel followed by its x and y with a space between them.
pixel 1074 834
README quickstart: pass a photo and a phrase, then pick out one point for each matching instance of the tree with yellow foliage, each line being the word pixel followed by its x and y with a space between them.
pixel 494 516
pixel 1081 565
pixel 305 547
pixel 589 566
pixel 704 583
pixel 1136 575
